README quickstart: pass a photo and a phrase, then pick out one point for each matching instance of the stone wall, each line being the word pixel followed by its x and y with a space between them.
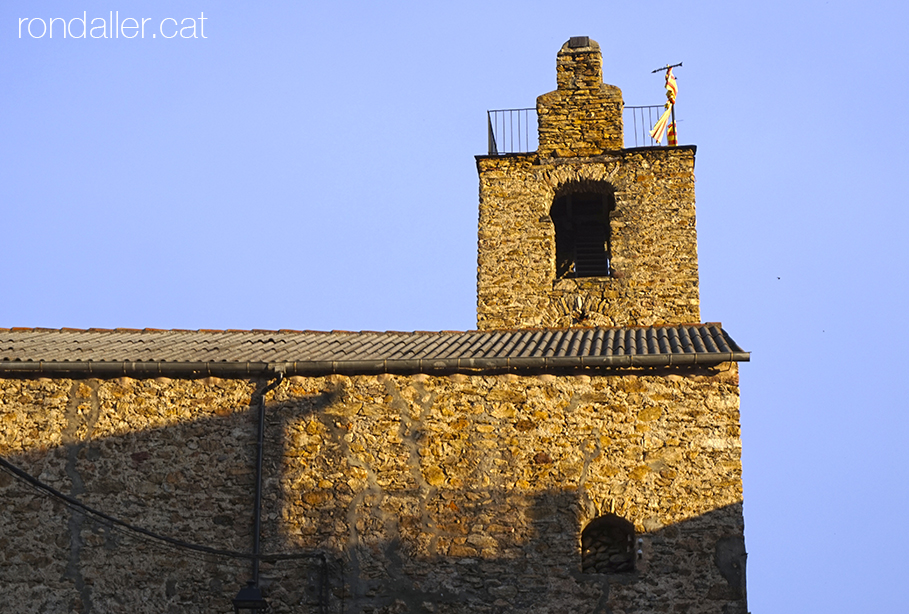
pixel 653 241
pixel 426 494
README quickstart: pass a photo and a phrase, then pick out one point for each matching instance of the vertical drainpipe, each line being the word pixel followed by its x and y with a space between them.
pixel 257 518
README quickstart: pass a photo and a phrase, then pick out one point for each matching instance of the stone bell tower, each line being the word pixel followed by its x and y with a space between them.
pixel 582 231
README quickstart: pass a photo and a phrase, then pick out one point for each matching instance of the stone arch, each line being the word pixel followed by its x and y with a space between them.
pixel 577 308
pixel 607 545
pixel 580 214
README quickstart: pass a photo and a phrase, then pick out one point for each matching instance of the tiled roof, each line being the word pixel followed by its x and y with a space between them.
pixel 375 351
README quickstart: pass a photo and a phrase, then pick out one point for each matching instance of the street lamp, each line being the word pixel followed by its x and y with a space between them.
pixel 249 599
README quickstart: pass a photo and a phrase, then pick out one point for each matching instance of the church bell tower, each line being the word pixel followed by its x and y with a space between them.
pixel 583 231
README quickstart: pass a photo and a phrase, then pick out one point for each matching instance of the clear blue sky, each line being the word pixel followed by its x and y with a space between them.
pixel 312 167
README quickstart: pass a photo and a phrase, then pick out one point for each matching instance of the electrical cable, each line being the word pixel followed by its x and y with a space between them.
pixel 179 543
pixel 256 556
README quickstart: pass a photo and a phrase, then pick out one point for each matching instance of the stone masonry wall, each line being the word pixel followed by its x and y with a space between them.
pixel 653 241
pixel 583 116
pixel 426 494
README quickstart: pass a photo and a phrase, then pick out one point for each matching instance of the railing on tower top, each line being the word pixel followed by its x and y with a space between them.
pixel 511 131
pixel 639 122
pixel 515 130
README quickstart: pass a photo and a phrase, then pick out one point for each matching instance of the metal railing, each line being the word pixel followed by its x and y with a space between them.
pixel 638 123
pixel 511 131
pixel 515 130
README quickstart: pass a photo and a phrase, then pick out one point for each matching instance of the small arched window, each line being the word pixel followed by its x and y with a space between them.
pixel 581 221
pixel 607 546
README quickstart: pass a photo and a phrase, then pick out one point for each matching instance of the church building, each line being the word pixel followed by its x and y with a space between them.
pixel 578 452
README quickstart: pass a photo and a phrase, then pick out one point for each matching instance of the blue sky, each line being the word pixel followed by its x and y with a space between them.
pixel 312 167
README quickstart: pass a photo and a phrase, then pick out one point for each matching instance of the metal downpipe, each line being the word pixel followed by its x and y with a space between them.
pixel 260 452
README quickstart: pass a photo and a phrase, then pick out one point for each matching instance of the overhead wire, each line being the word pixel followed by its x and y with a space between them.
pixel 23 476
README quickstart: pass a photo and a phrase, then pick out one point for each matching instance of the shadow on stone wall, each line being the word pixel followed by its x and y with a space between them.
pixel 190 480
pixel 402 539
pixel 396 539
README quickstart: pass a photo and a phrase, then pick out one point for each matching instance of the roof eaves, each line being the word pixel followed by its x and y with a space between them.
pixel 235 370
